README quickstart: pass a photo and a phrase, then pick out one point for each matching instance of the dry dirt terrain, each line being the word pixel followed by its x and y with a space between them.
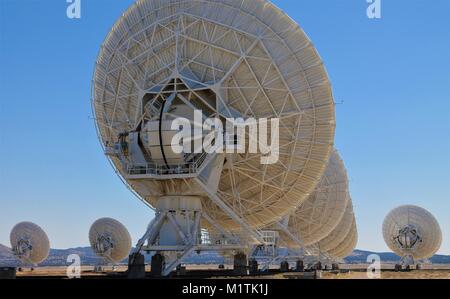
pixel 354 272
pixel 423 274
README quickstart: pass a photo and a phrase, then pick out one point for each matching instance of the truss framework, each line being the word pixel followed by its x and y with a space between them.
pixel 255 61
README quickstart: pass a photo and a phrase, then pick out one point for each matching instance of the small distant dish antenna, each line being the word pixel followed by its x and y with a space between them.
pixel 29 243
pixel 110 240
pixel 412 233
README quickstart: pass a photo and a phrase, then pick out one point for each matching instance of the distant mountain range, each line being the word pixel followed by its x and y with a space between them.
pixel 58 257
pixel 360 257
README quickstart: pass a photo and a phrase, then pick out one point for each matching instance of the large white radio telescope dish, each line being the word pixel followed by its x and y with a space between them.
pixel 29 243
pixel 248 59
pixel 346 247
pixel 110 239
pixel 412 231
pixel 338 235
pixel 320 214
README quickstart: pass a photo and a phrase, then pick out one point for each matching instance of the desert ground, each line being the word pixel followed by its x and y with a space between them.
pixel 347 272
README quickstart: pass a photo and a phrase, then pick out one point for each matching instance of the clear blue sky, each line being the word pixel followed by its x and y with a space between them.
pixel 393 129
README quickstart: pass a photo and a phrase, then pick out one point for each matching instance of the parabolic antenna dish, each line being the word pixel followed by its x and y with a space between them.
pixel 411 230
pixel 29 243
pixel 320 214
pixel 337 236
pixel 110 239
pixel 348 245
pixel 248 59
